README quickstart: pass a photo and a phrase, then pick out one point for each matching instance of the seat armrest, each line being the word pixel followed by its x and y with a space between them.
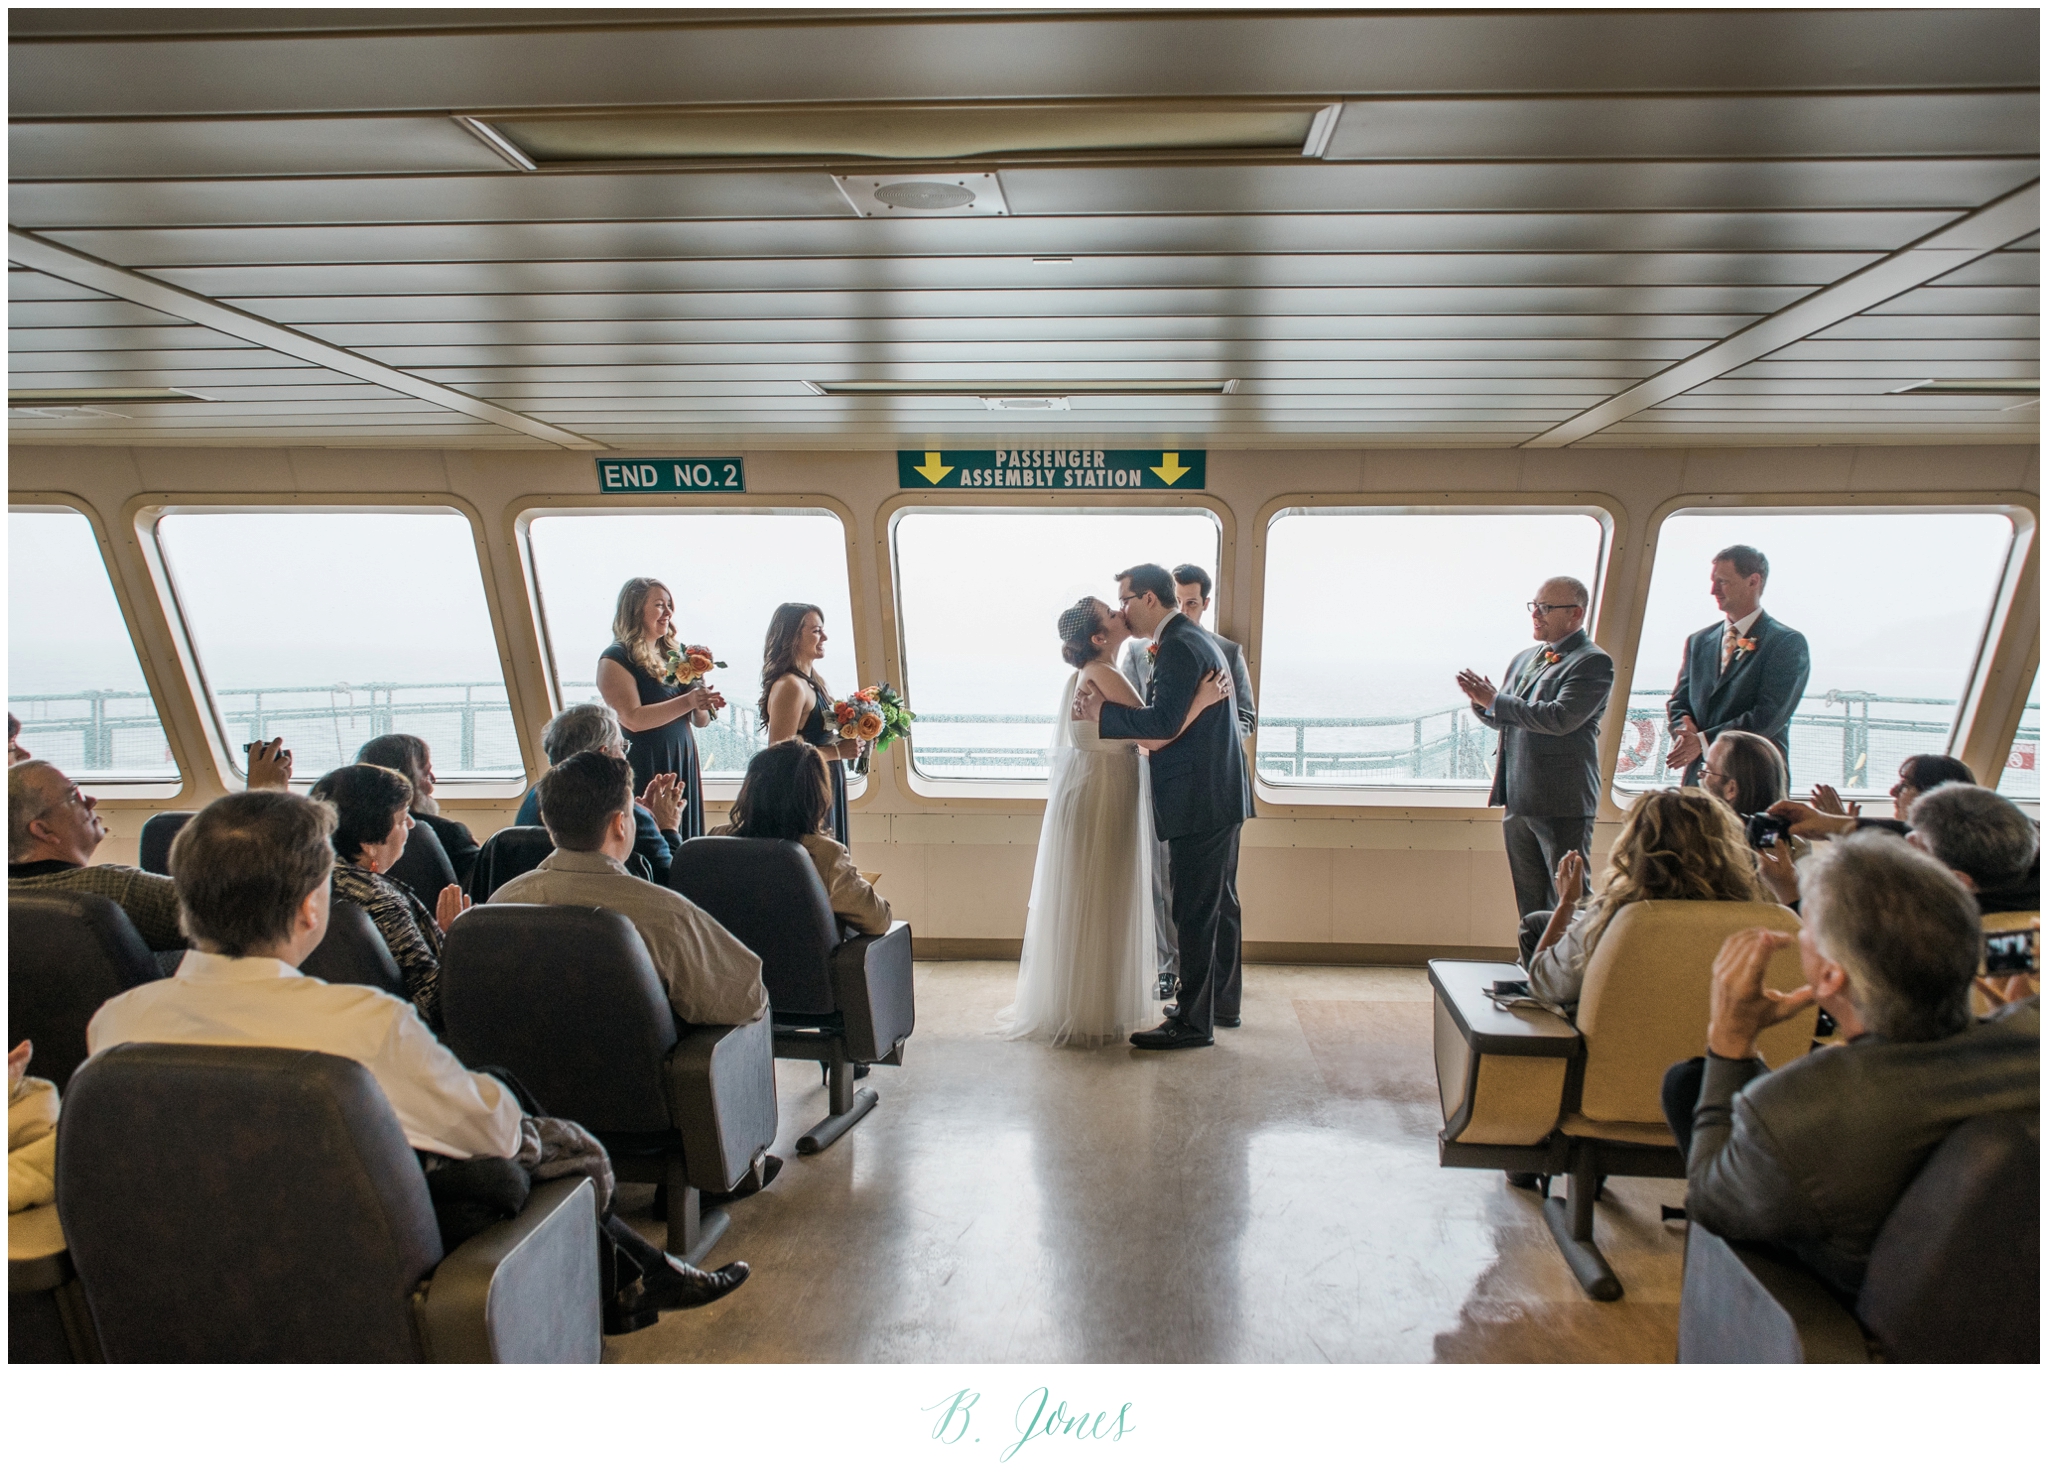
pixel 1528 1031
pixel 874 984
pixel 523 1291
pixel 1501 1072
pixel 721 1086
pixel 1742 1306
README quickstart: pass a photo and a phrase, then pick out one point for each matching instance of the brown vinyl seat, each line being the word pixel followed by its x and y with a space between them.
pixel 67 953
pixel 1526 1090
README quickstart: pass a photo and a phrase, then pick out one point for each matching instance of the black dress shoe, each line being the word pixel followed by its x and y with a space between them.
pixel 1230 1022
pixel 771 1167
pixel 1173 1033
pixel 1524 1180
pixel 681 1286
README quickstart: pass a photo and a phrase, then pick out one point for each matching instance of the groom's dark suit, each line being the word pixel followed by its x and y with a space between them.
pixel 1201 795
pixel 1759 691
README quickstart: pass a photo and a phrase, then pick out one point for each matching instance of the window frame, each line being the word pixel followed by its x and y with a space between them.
pixel 995 795
pixel 1989 709
pixel 525 510
pixel 148 513
pixel 1420 802
pixel 139 790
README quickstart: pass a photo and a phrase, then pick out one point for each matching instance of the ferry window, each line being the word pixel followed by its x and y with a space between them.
pixel 328 628
pixel 728 571
pixel 1370 614
pixel 1893 606
pixel 73 680
pixel 980 594
pixel 2021 779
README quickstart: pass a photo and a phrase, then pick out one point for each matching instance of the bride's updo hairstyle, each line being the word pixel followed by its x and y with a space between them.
pixel 1078 627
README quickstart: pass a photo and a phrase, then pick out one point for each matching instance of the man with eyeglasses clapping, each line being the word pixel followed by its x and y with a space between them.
pixel 1547 774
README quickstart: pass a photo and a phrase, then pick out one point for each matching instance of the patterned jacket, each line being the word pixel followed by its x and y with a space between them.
pixel 408 929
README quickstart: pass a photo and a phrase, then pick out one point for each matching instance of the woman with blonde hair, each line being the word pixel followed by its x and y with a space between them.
pixel 1675 844
pixel 636 678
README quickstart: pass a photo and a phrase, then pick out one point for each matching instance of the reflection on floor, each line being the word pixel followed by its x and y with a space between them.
pixel 1274 1198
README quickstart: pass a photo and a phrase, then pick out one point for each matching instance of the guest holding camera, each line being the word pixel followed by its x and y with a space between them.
pixel 1547 710
pixel 1746 673
pixel 1814 1156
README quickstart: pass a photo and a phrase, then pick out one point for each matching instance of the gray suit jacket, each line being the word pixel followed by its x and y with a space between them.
pixel 1815 1156
pixel 1136 666
pixel 1549 763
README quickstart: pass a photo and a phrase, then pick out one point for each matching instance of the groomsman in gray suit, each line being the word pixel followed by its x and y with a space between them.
pixel 1191 588
pixel 1547 711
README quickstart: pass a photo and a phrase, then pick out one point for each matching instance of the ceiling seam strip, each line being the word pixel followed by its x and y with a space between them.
pixel 81 269
pixel 1994 226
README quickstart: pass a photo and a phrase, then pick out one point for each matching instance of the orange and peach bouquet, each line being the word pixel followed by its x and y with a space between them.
pixel 876 713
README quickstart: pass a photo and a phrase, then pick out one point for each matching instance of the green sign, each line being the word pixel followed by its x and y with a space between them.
pixel 1053 470
pixel 622 477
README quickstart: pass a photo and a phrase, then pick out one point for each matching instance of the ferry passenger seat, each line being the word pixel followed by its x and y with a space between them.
pixel 505 855
pixel 67 954
pixel 566 999
pixel 262 1204
pixel 838 1000
pixel 157 836
pixel 353 952
pixel 424 867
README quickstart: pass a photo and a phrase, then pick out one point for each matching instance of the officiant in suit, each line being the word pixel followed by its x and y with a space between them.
pixel 1191 588
pixel 1547 711
pixel 1745 673
pixel 1201 795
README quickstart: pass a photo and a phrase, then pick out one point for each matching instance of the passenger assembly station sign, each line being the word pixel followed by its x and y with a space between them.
pixel 1053 470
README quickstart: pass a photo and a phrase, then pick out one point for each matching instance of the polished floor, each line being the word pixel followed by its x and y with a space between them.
pixel 1275 1198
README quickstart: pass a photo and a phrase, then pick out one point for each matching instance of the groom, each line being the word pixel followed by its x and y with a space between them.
pixel 1201 795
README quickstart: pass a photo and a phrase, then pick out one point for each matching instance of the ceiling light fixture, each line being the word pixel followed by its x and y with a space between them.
pixel 924 388
pixel 1042 402
pixel 1972 386
pixel 916 196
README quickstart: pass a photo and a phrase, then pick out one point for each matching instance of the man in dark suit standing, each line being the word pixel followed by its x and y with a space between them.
pixel 1547 711
pixel 1745 673
pixel 1191 588
pixel 1201 795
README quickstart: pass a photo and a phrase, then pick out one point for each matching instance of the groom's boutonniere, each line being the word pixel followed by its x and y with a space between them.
pixel 1744 646
pixel 1551 656
pixel 1152 652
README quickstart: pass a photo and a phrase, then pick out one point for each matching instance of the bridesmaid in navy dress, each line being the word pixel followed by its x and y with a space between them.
pixel 659 717
pixel 795 702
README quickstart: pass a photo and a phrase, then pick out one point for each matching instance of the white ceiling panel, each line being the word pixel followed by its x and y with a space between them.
pixel 1521 220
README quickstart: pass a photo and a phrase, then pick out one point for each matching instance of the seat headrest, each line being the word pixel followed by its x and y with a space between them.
pixel 354 952
pixel 68 952
pixel 158 834
pixel 1955 1275
pixel 567 998
pixel 506 855
pixel 242 1204
pixel 766 891
pixel 424 866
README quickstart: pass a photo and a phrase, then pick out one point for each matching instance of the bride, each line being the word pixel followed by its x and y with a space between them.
pixel 1086 971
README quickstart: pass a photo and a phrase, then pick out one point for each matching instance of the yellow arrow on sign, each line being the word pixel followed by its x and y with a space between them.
pixel 1169 469
pixel 931 470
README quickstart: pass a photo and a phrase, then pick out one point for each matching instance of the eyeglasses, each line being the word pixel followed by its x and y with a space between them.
pixel 1125 600
pixel 1550 607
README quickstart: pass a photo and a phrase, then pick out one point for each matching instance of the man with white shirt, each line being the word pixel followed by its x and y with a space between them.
pixel 253 871
pixel 1745 673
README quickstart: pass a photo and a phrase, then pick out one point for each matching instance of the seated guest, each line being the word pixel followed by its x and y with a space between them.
pixel 1814 1156
pixel 1675 844
pixel 373 814
pixel 788 794
pixel 16 752
pixel 31 1135
pixel 253 889
pixel 1991 846
pixel 410 755
pixel 586 801
pixel 1745 771
pixel 1827 816
pixel 52 830
pixel 657 812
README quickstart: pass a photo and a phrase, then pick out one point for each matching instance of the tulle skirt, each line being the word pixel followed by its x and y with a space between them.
pixel 1087 968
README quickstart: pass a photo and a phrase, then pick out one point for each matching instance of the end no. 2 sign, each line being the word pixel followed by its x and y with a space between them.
pixel 725 475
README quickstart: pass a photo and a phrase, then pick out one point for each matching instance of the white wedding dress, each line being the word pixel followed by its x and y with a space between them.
pixel 1086 972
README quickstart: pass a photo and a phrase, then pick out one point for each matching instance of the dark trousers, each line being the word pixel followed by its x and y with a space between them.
pixel 1681 1096
pixel 1209 925
pixel 1534 846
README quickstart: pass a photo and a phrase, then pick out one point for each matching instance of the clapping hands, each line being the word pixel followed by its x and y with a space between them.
pixel 449 906
pixel 1686 747
pixel 1477 688
pixel 665 800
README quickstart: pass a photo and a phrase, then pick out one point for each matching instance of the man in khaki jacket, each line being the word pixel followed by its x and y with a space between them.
pixel 587 804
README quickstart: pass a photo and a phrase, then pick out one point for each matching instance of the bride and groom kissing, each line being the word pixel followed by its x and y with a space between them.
pixel 1124 769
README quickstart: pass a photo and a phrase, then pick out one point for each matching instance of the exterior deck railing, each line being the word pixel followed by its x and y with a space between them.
pixel 1853 739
